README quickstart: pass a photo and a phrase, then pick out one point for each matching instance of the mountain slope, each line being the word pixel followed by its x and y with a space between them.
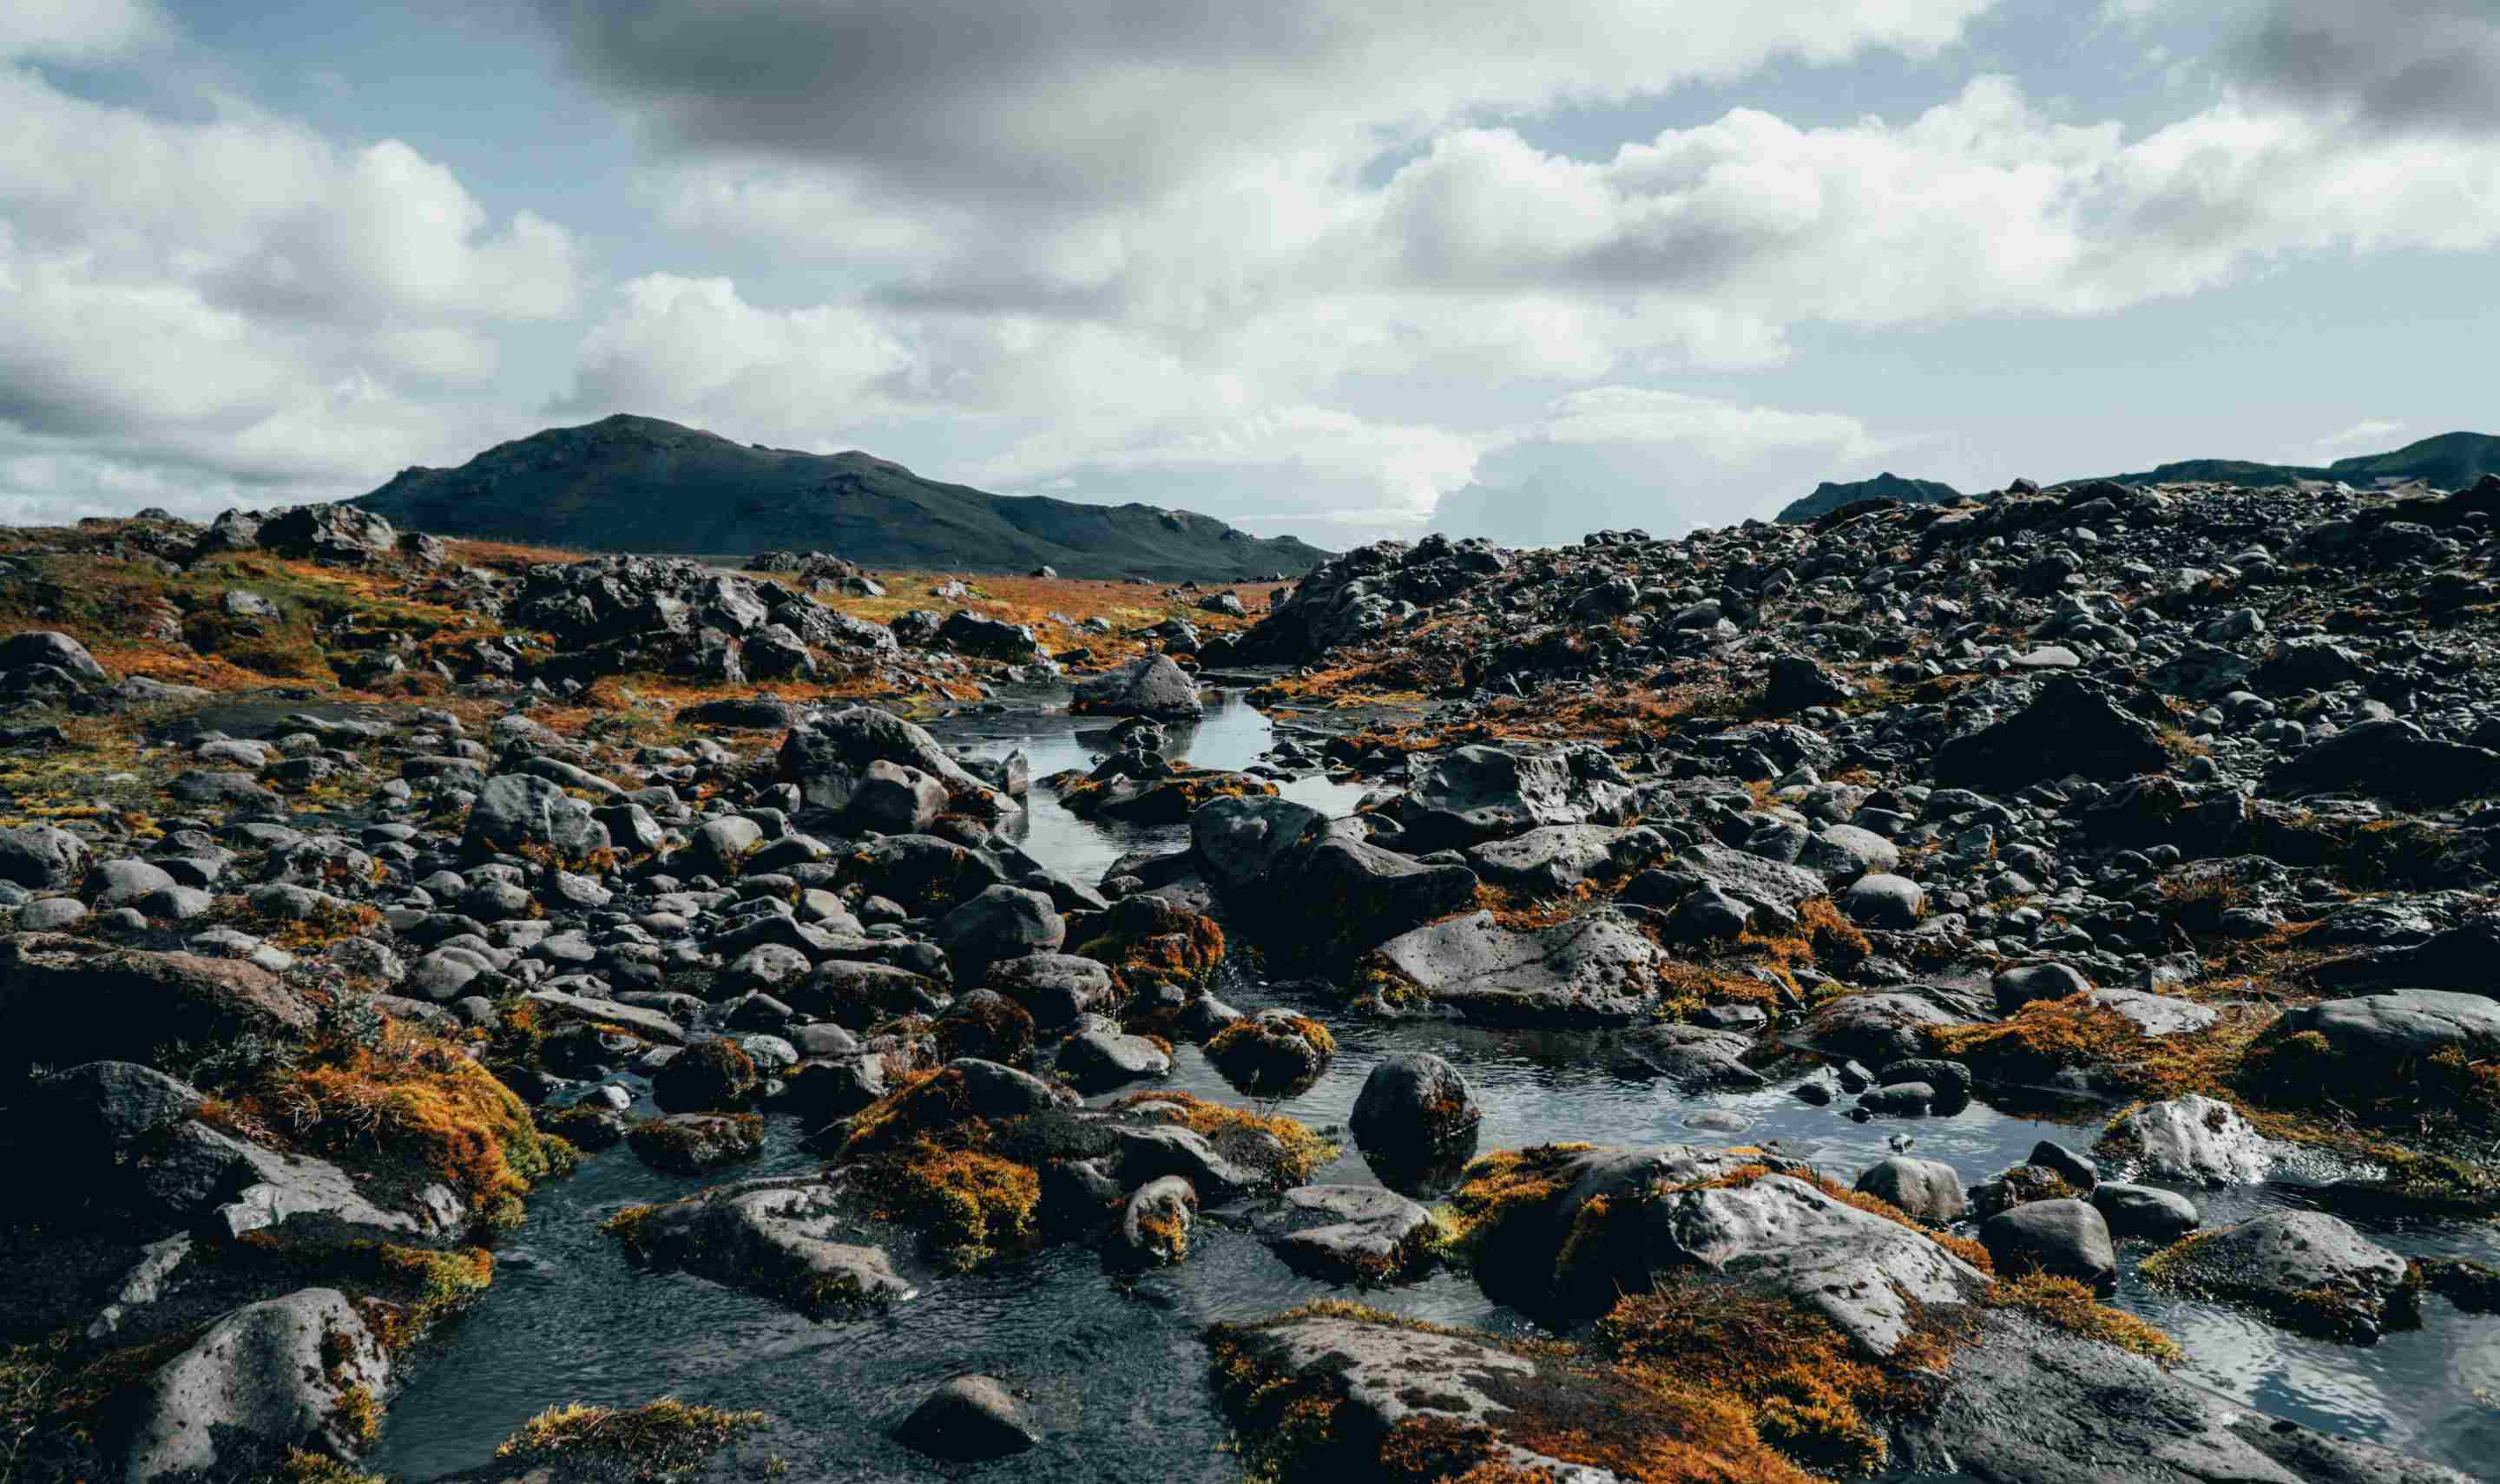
pixel 2452 461
pixel 1828 496
pixel 628 483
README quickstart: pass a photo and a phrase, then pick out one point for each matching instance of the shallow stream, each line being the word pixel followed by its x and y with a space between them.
pixel 1114 1366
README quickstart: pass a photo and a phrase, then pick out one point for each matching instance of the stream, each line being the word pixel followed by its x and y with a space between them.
pixel 1114 1366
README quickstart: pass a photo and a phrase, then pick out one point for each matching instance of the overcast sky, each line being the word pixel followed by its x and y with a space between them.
pixel 1342 268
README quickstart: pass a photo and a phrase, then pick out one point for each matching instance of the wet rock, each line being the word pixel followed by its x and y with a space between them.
pixel 1594 969
pixel 2190 1139
pixel 1694 1058
pixel 1240 841
pixel 1876 1026
pixel 1928 1189
pixel 697 1143
pixel 1359 1232
pixel 1155 1224
pixel 1412 1105
pixel 711 1075
pixel 1095 1060
pixel 2062 1237
pixel 2145 1211
pixel 2307 1269
pixel 969 1419
pixel 807 1242
pixel 1002 923
pixel 1150 687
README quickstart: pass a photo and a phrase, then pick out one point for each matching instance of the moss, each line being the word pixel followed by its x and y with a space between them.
pixel 414 1100
pixel 2470 1286
pixel 415 1289
pixel 1150 941
pixel 360 1416
pixel 1271 1055
pixel 2069 1305
pixel 2332 1313
pixel 1285 1148
pixel 991 1029
pixel 2302 1069
pixel 690 1143
pixel 2045 1038
pixel 1500 1185
pixel 656 1441
pixel 1578 1407
pixel 306 1468
pixel 972 1206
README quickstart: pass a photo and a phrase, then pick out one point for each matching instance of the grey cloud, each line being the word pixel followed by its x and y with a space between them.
pixel 2401 65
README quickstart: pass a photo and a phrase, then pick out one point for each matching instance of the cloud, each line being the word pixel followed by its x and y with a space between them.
pixel 1082 100
pixel 77 30
pixel 2402 65
pixel 1620 456
pixel 236 296
pixel 2371 434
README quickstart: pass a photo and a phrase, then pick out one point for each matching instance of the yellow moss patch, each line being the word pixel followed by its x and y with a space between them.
pixel 2069 1305
pixel 418 1099
pixel 1297 1151
pixel 973 1204
pixel 655 1441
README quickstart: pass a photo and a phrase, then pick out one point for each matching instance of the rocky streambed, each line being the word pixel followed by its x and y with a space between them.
pixel 1935 995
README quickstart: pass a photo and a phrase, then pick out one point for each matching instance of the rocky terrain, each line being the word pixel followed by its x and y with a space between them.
pixel 629 483
pixel 371 893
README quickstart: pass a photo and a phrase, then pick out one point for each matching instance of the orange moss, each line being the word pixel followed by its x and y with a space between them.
pixel 1286 1148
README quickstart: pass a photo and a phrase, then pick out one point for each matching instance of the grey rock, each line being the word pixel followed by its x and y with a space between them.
pixel 271 1374
pixel 969 1419
pixel 2190 1139
pixel 1595 968
pixel 1928 1189
pixel 2063 1238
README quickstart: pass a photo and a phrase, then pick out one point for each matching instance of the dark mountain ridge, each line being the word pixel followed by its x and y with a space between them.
pixel 2450 461
pixel 641 484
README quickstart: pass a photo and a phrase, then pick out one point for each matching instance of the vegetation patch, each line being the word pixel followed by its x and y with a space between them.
pixel 651 1444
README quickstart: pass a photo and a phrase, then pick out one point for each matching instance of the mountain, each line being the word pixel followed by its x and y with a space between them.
pixel 1828 496
pixel 640 484
pixel 2452 461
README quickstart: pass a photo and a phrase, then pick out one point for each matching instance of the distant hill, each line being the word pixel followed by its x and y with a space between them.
pixel 628 483
pixel 2452 461
pixel 1828 496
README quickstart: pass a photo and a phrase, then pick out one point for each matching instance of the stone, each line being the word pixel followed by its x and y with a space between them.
pixel 1153 1224
pixel 1150 687
pixel 1596 968
pixel 969 1419
pixel 270 1375
pixel 41 858
pixel 2307 1269
pixel 1002 923
pixel 1882 901
pixel 804 1242
pixel 2061 1237
pixel 517 810
pixel 2145 1211
pixel 1926 1189
pixel 2194 1139
pixel 2070 726
pixel 1413 1103
pixel 1360 1233
pixel 2025 983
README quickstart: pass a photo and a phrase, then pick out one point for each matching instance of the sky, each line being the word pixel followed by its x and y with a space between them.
pixel 1338 269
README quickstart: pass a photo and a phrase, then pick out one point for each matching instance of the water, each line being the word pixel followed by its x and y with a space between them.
pixel 1114 1366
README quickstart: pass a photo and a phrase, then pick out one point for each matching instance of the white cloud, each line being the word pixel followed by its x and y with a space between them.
pixel 77 30
pixel 2371 434
pixel 236 297
pixel 1620 456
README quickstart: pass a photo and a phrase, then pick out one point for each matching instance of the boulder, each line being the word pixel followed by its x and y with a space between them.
pixel 969 1419
pixel 2190 1139
pixel 1240 841
pixel 517 810
pixel 1001 923
pixel 2069 726
pixel 1150 687
pixel 2305 1268
pixel 807 1242
pixel 1928 1189
pixel 41 858
pixel 1596 968
pixel 67 1000
pixel 2062 1237
pixel 267 1377
pixel 1412 1105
